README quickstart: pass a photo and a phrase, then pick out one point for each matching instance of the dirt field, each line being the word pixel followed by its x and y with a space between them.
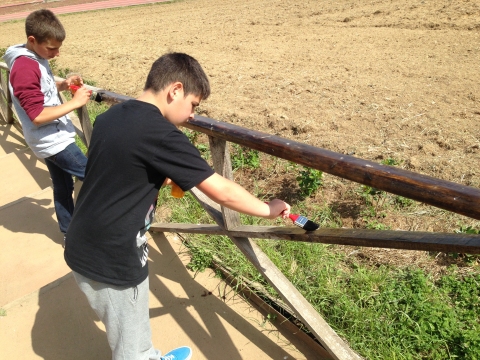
pixel 388 79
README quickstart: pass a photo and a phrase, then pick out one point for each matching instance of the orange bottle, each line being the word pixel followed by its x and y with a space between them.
pixel 76 84
pixel 177 191
pixel 73 88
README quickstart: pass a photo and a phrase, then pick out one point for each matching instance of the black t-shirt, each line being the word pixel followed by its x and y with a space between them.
pixel 132 150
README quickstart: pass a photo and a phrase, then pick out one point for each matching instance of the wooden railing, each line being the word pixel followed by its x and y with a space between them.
pixel 443 194
pixel 6 107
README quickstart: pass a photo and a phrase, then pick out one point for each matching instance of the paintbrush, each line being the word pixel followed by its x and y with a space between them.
pixel 302 222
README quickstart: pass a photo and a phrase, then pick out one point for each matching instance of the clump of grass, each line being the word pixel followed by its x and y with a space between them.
pixel 309 180
pixel 243 157
pixel 194 137
pixel 391 162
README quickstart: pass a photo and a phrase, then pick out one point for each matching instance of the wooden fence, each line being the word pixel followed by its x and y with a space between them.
pixel 443 194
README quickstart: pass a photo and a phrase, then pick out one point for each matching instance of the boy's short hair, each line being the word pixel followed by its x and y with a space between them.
pixel 43 25
pixel 178 67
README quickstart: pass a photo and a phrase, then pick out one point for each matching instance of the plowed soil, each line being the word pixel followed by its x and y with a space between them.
pixel 381 80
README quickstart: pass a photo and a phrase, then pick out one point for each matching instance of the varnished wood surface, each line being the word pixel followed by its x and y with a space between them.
pixel 85 123
pixel 6 105
pixel 111 97
pixel 447 195
pixel 407 240
pixel 222 166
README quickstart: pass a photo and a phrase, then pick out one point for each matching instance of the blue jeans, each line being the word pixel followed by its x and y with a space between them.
pixel 62 166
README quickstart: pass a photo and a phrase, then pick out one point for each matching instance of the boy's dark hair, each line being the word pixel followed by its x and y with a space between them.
pixel 43 25
pixel 178 67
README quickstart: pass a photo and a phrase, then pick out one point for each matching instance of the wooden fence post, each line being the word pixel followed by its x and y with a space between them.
pixel 222 165
pixel 85 123
pixel 7 109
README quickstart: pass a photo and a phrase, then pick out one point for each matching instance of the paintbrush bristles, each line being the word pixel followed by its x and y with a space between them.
pixel 310 226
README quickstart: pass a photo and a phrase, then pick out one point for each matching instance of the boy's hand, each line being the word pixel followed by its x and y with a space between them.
pixel 81 96
pixel 278 208
pixel 71 80
pixel 167 181
pixel 74 80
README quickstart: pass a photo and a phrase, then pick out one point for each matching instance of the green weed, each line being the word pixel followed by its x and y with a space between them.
pixel 94 109
pixel 204 151
pixel 54 66
pixel 370 194
pixel 59 71
pixel 401 202
pixel 243 157
pixel 391 162
pixel 193 136
pixel 309 180
pixel 269 318
pixel 468 230
pixel 201 258
pixel 375 225
pixel 374 201
pixel 290 166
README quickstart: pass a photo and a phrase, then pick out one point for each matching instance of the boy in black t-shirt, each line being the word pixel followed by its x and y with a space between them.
pixel 135 148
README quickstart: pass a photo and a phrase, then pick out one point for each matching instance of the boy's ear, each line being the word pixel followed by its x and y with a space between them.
pixel 176 89
pixel 31 39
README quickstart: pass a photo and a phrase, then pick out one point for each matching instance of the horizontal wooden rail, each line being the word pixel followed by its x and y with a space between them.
pixel 407 240
pixel 113 98
pixel 447 195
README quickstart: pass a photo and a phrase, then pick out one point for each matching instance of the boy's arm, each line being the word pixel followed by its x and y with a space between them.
pixel 235 197
pixel 51 113
pixel 25 79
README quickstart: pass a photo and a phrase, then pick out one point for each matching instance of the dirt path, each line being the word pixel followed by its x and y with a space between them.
pixel 382 80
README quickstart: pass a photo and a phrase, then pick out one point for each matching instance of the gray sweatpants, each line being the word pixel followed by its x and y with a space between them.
pixel 125 313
